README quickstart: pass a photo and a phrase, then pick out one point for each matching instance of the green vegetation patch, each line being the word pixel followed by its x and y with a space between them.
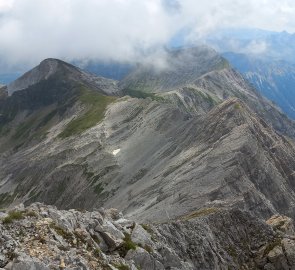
pixel 63 233
pixel 270 246
pixel 200 213
pixel 127 245
pixel 31 214
pixel 232 252
pixel 148 228
pixel 223 64
pixel 237 106
pixel 148 248
pixel 122 266
pixel 13 215
pixel 142 94
pixel 96 104
pixel 98 188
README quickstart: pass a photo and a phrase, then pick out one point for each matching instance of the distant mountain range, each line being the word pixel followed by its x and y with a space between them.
pixel 255 42
pixel 266 59
pixel 7 78
pixel 274 79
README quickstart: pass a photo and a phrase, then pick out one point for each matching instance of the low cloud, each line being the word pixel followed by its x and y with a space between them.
pixel 124 30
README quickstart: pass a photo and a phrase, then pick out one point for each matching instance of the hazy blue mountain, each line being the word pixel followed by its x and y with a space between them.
pixel 9 77
pixel 274 45
pixel 265 58
pixel 115 70
pixel 274 79
pixel 112 69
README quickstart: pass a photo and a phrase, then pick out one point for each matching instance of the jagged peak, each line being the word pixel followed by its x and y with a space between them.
pixel 43 71
pixel 52 66
pixel 49 62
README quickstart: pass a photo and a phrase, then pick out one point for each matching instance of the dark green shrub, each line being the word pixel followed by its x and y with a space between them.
pixel 13 215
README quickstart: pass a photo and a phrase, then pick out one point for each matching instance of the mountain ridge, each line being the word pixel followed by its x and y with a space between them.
pixel 216 81
pixel 136 153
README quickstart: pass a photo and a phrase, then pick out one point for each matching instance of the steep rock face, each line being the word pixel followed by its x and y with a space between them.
pixel 41 237
pixel 42 72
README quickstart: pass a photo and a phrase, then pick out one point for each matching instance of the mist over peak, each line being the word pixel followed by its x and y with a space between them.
pixel 122 30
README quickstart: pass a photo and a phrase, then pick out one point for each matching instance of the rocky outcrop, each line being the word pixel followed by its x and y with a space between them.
pixel 41 237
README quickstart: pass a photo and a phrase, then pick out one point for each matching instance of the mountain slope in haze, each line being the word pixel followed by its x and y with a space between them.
pixel 115 70
pixel 8 78
pixel 178 67
pixel 274 79
pixel 152 157
pixel 256 42
pixel 200 73
pixel 51 67
pixel 3 92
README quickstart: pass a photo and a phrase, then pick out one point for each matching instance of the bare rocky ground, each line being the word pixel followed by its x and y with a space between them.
pixel 40 237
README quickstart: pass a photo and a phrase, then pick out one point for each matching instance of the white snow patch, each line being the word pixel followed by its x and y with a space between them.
pixel 115 152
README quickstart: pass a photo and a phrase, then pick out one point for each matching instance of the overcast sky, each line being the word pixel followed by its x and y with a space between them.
pixel 31 30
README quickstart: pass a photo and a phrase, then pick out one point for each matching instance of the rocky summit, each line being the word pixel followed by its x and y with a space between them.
pixel 199 165
pixel 41 237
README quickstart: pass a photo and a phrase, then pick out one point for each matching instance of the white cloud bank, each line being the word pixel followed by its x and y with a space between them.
pixel 31 30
